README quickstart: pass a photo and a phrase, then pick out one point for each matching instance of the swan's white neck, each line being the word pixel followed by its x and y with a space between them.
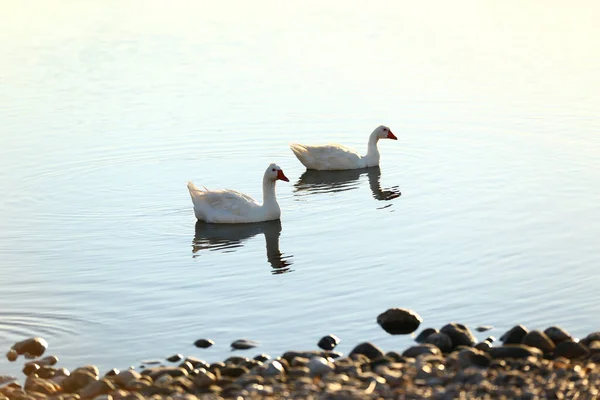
pixel 372 157
pixel 269 198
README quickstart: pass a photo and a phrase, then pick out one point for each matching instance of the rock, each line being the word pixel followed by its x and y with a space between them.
pixel 34 346
pixel 186 365
pixel 78 379
pixel 459 334
pixel 204 378
pixel 367 349
pixel 104 397
pixel 112 372
pixel 425 333
pixel 39 385
pixel 557 334
pixel 12 355
pixel 197 363
pixel 262 357
pixel 484 328
pixel 30 368
pixel 490 339
pixel 592 337
pixel 425 348
pixel 157 372
pixel 203 343
pixel 472 357
pixel 514 335
pixel 441 340
pixel 49 360
pixel 483 346
pixel 399 321
pixel 125 376
pixel 234 371
pixel 175 358
pixel 319 366
pixel 517 351
pixel 539 340
pixel 571 350
pixel 97 388
pixel 243 344
pixel 274 369
pixel 328 342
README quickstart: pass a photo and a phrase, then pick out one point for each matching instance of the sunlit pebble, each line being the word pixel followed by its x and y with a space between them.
pixel 243 344
pixel 12 355
pixel 175 358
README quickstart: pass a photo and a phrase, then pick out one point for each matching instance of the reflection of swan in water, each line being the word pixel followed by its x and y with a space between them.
pixel 228 237
pixel 312 182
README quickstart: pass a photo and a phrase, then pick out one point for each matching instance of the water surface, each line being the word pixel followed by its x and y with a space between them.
pixel 485 211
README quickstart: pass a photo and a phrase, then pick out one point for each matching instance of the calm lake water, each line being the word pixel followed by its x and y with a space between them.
pixel 109 108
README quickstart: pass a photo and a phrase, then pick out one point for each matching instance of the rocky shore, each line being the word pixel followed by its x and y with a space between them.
pixel 443 364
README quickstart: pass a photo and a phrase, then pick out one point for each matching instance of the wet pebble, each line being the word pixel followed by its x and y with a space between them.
pixel 571 350
pixel 514 351
pixel 557 334
pixel 262 357
pixel 441 340
pixel 399 321
pixel 328 342
pixel 243 344
pixel 203 343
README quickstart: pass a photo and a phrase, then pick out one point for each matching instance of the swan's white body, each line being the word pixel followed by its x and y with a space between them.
pixel 225 206
pixel 338 157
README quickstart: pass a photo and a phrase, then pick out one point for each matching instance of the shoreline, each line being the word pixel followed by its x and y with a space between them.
pixel 442 364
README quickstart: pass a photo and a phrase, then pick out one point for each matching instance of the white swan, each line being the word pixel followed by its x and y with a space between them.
pixel 226 206
pixel 338 157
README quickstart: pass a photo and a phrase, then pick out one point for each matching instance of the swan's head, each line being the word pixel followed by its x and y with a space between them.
pixel 274 172
pixel 383 132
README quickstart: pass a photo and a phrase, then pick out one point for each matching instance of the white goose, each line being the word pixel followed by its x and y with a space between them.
pixel 338 157
pixel 226 206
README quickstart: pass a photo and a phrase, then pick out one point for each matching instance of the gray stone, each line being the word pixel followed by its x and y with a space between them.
pixel 459 334
pixel 539 340
pixel 274 368
pixel 399 321
pixel 514 335
pixel 328 342
pixel 319 366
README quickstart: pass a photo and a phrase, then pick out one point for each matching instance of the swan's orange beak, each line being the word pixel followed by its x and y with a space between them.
pixel 391 136
pixel 281 176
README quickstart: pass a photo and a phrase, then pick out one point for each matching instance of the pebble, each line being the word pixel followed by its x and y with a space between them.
pixel 484 328
pixel 274 368
pixel 399 321
pixel 328 342
pixel 459 334
pixel 514 335
pixel 319 366
pixel 367 349
pixel 425 333
pixel 243 344
pixel 262 357
pixel 441 341
pixel 34 347
pixel 425 348
pixel 571 350
pixel 203 343
pixel 539 340
pixel 175 358
pixel 514 351
pixel 557 334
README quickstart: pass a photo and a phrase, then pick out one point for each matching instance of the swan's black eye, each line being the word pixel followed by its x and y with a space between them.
pixel 273 169
pixel 384 129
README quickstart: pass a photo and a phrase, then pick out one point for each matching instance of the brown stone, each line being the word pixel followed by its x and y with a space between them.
pixel 539 340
